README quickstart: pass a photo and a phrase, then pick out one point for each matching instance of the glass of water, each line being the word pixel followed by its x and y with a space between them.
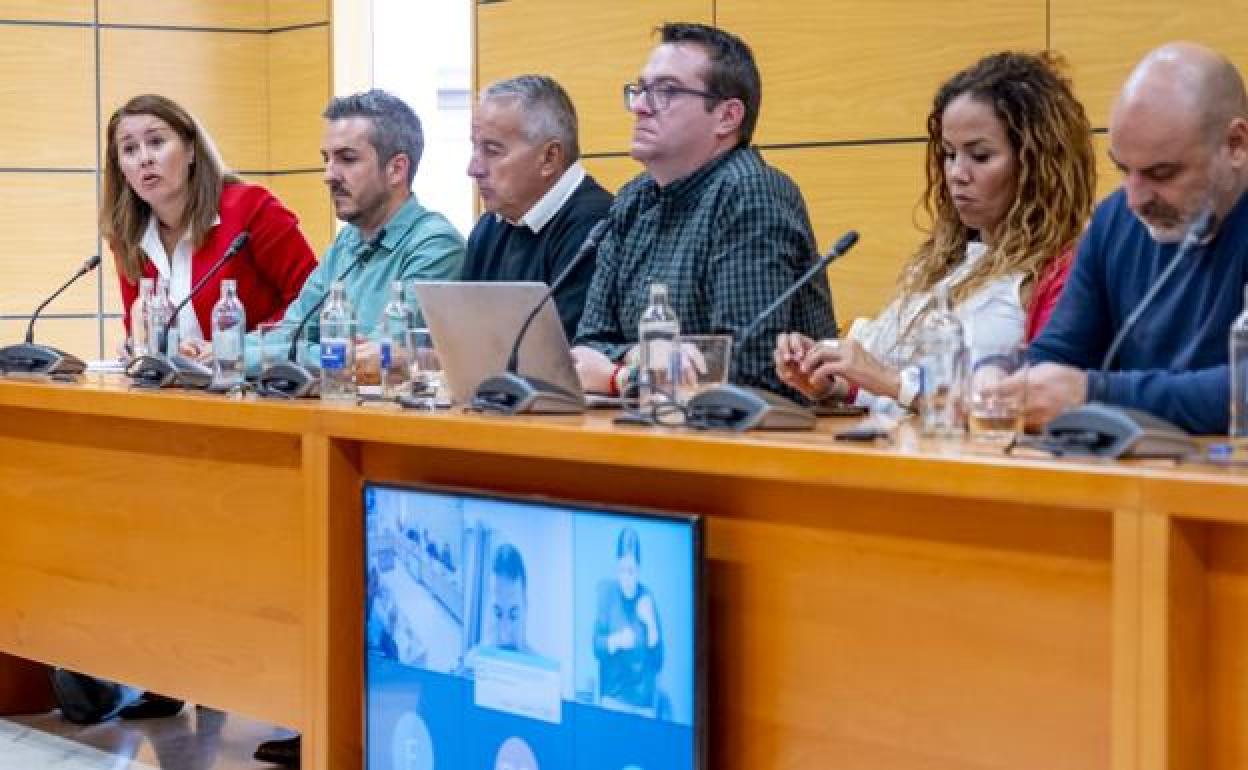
pixel 995 417
pixel 424 369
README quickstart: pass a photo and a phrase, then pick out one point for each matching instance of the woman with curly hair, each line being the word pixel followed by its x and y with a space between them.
pixel 1011 181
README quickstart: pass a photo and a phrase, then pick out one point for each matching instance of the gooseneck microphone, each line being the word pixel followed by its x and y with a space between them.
pixel 735 407
pixel 289 378
pixel 1200 229
pixel 511 393
pixel 42 360
pixel 157 370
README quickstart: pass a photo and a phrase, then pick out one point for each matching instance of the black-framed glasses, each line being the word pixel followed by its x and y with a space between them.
pixel 659 96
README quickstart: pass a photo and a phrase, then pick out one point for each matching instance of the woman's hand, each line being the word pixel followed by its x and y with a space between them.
pixel 828 360
pixel 791 351
pixel 198 350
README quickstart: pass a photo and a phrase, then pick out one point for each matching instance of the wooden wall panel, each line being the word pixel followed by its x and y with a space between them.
pixel 80 336
pixel 873 189
pixel 221 77
pixel 47 96
pixel 299 84
pixel 47 229
pixel 1083 31
pixel 305 194
pixel 592 61
pixel 47 10
pixel 612 173
pixel 234 14
pixel 287 13
pixel 1227 673
pixel 848 70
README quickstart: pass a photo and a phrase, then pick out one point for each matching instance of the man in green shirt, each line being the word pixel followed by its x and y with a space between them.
pixel 372 146
pixel 726 232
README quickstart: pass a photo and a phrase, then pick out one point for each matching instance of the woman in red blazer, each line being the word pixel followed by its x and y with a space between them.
pixel 171 209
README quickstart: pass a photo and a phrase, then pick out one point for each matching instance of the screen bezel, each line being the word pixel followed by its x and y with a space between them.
pixel 701 637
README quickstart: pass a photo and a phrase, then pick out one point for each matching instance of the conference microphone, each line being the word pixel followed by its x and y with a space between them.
pixel 289 378
pixel 30 359
pixel 512 393
pixel 157 370
pixel 735 407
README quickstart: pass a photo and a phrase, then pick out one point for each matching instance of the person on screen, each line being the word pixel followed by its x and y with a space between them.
pixel 509 601
pixel 628 637
pixel 1011 179
pixel 170 208
pixel 1178 133
pixel 725 232
pixel 539 202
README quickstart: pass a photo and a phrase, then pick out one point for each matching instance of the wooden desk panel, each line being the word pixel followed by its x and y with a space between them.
pixel 896 608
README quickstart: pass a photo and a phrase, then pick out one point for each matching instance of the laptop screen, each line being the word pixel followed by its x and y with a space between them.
pixel 525 634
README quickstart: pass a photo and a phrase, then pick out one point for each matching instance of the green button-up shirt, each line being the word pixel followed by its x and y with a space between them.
pixel 416 245
pixel 727 240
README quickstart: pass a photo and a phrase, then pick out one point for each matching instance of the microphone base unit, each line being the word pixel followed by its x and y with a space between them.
pixel 513 394
pixel 288 380
pixel 159 371
pixel 39 361
pixel 1104 430
pixel 737 408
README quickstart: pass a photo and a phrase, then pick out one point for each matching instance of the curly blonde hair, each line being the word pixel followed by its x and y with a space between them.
pixel 1049 133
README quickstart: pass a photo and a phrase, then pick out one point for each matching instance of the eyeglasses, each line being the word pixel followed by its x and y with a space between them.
pixel 659 96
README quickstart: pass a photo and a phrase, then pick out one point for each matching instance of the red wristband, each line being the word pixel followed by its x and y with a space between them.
pixel 613 386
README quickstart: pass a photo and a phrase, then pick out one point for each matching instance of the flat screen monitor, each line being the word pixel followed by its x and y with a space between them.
pixel 527 634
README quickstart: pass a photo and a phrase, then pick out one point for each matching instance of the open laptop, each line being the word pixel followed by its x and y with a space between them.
pixel 474 324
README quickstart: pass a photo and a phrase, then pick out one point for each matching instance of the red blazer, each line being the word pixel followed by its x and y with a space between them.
pixel 270 269
pixel 1047 291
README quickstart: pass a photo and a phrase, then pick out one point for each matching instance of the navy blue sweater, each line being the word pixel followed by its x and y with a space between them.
pixel 1174 362
pixel 498 251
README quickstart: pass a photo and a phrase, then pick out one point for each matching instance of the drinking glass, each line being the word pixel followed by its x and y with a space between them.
pixel 995 416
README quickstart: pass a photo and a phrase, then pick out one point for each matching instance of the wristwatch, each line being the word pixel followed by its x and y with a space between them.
pixel 911 385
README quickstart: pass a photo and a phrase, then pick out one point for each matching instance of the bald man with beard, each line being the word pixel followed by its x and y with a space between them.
pixel 1179 136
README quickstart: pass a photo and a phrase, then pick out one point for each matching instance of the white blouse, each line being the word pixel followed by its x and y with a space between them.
pixel 992 317
pixel 176 268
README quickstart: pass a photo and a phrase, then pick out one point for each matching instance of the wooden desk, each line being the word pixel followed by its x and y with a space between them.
pixel 870 608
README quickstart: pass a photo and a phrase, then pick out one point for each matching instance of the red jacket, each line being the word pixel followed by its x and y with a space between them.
pixel 270 269
pixel 1047 291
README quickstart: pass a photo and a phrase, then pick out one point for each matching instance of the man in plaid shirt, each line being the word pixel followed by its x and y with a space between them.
pixel 726 232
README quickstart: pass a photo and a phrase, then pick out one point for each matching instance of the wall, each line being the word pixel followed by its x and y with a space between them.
pixel 255 72
pixel 846 87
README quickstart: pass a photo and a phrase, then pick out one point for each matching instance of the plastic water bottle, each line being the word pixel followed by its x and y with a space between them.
pixel 160 318
pixel 1239 378
pixel 141 320
pixel 396 319
pixel 659 336
pixel 338 346
pixel 229 324
pixel 941 355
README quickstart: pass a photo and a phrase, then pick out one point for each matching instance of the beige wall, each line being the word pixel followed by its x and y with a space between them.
pixel 846 87
pixel 255 72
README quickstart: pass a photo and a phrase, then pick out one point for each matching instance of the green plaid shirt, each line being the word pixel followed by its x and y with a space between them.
pixel 727 240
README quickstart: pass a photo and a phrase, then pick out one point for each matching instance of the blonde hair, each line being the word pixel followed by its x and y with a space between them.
pixel 1049 133
pixel 124 215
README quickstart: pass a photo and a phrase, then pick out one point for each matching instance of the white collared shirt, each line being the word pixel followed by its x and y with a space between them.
pixel 549 204
pixel 176 269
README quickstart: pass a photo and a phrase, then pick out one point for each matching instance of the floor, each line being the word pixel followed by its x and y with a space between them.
pixel 196 739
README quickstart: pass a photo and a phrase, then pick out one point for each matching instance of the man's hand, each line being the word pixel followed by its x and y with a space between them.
pixel 593 368
pixel 1047 390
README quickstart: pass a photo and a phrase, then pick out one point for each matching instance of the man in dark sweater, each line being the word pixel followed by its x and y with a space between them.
pixel 539 202
pixel 1179 136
